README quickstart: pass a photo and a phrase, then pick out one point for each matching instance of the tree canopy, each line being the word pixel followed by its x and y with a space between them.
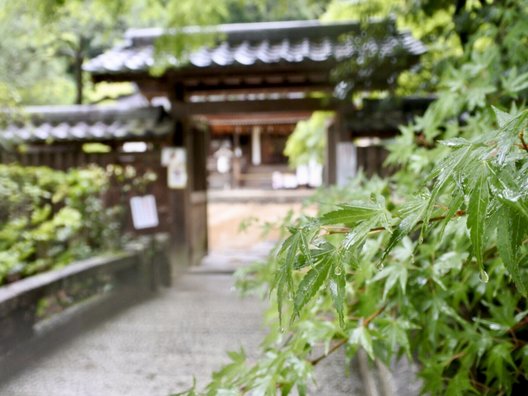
pixel 47 41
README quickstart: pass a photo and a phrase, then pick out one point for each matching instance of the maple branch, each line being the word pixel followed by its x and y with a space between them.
pixel 479 385
pixel 343 341
pixel 336 346
pixel 455 357
pixel 523 142
pixel 374 315
pixel 519 325
pixel 346 230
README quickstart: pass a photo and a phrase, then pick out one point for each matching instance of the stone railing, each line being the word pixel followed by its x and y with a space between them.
pixel 141 268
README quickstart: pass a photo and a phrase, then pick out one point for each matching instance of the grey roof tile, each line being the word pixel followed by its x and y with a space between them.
pixel 59 132
pixel 97 130
pixel 87 123
pixel 42 132
pixel 267 43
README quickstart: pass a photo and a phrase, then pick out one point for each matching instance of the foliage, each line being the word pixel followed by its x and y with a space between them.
pixel 28 72
pixel 273 10
pixel 46 42
pixel 308 140
pixel 46 50
pixel 431 263
pixel 399 273
pixel 51 218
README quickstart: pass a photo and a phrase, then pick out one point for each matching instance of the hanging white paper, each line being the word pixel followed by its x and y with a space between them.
pixel 144 212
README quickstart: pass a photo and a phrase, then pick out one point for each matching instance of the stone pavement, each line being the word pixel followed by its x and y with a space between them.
pixel 155 345
pixel 244 195
pixel 151 348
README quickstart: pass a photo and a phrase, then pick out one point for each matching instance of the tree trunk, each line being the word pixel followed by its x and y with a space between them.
pixel 78 64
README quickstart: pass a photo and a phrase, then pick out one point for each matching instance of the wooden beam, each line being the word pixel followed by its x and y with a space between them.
pixel 246 87
pixel 253 106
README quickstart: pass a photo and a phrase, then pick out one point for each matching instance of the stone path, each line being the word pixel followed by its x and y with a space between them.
pixel 152 348
pixel 156 345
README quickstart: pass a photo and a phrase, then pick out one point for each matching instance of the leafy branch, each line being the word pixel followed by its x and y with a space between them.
pixel 343 341
pixel 345 230
pixel 523 142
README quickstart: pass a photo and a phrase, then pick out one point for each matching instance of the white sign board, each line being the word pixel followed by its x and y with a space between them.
pixel 144 212
pixel 315 172
pixel 177 168
pixel 166 155
pixel 346 162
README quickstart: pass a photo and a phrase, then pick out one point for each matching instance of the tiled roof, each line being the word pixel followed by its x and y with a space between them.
pixel 246 45
pixel 86 123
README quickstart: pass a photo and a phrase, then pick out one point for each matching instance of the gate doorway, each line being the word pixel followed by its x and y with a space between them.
pixel 255 70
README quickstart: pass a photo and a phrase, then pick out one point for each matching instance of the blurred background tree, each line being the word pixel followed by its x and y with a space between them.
pixel 46 42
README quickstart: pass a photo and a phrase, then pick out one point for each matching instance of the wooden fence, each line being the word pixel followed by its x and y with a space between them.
pixel 63 156
pixel 371 160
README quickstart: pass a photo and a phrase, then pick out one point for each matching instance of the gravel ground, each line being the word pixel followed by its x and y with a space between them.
pixel 152 348
pixel 156 346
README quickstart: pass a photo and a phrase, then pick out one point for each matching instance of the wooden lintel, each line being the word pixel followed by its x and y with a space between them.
pixel 278 80
pixel 264 88
pixel 153 87
pixel 232 80
pixel 180 109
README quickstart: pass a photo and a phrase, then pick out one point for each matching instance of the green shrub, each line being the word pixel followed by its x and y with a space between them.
pixel 49 218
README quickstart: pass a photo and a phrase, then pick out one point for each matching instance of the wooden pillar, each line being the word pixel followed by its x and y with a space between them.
pixel 188 206
pixel 237 155
pixel 198 195
pixel 332 138
pixel 256 152
pixel 336 134
pixel 179 198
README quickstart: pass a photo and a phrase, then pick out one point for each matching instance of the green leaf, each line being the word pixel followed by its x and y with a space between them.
pixel 393 273
pixel 523 354
pixel 311 283
pixel 411 213
pixel 477 213
pixel 337 287
pixel 286 258
pixel 509 134
pixel 460 384
pixel 350 214
pixel 322 250
pixel 360 336
pixel 510 233
pixel 444 173
pixel 514 200
pixel 499 364
pixel 503 118
pixel 301 389
pixel 395 334
pixel 514 83
pixel 355 238
pixel 457 199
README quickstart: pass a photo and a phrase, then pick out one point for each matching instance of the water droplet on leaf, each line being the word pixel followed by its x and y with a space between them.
pixel 483 276
pixel 495 326
pixel 338 270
